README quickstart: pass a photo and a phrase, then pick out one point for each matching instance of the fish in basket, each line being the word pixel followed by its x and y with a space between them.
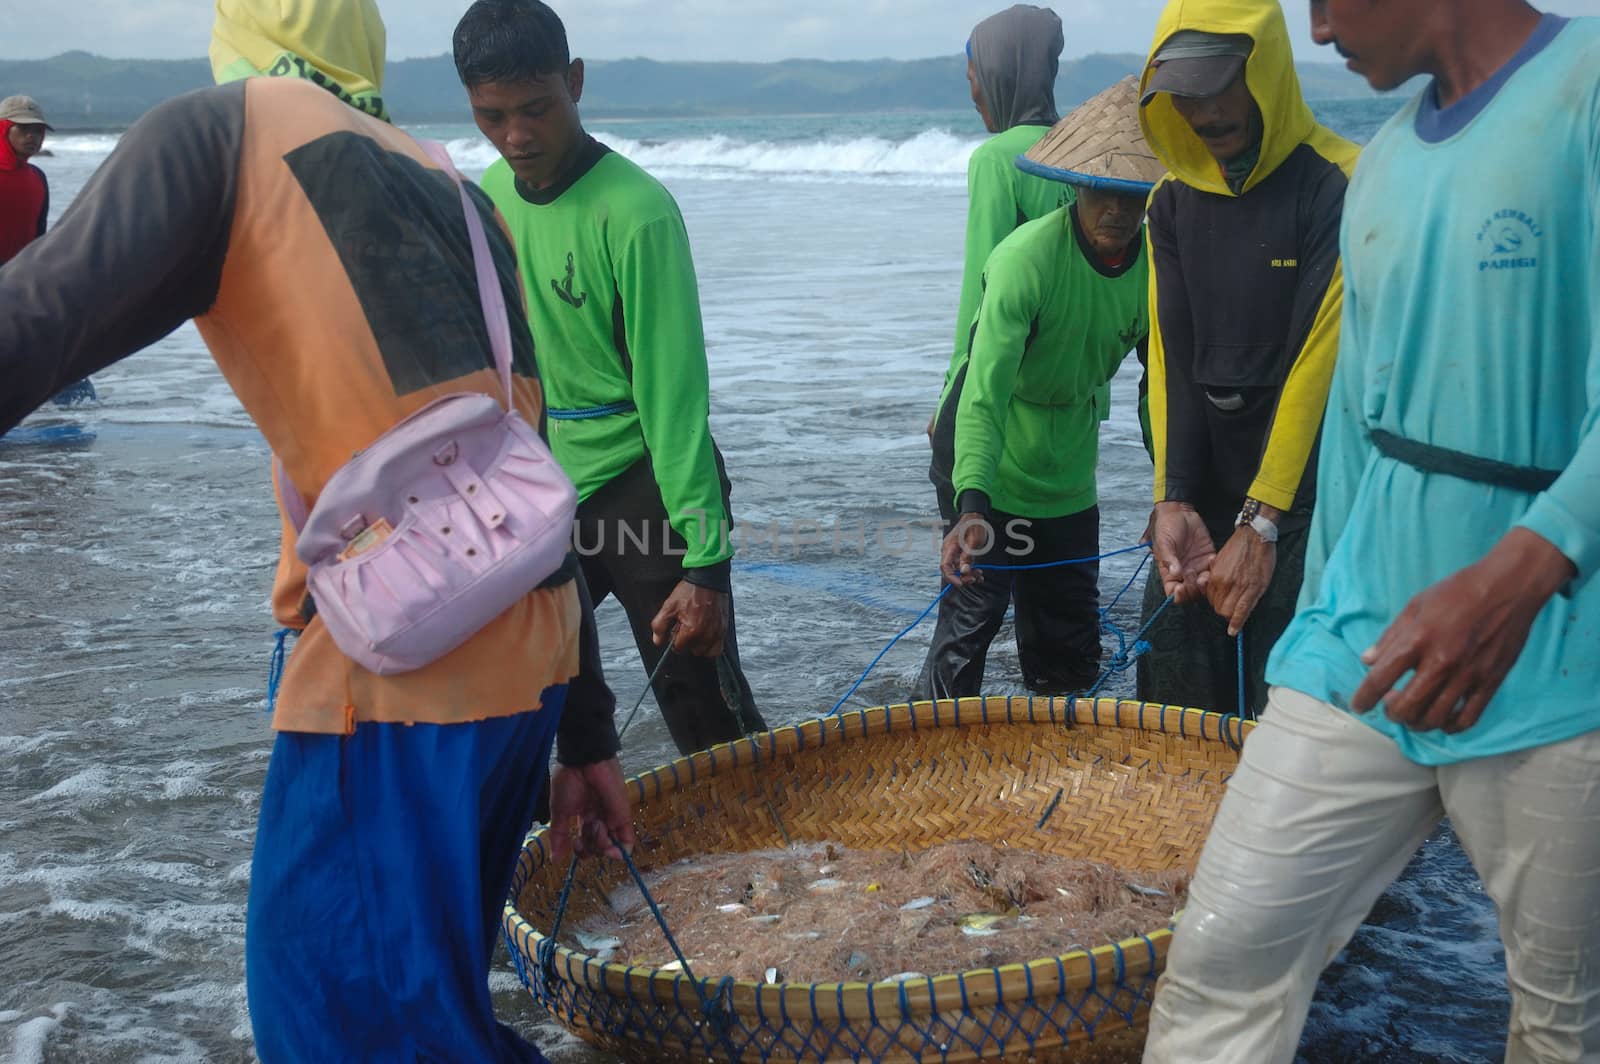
pixel 1123 784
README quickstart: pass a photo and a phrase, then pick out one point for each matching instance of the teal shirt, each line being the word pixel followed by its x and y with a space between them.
pixel 1052 329
pixel 1472 287
pixel 615 313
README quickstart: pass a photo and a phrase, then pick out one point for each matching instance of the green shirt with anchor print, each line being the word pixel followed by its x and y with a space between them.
pixel 1053 326
pixel 615 313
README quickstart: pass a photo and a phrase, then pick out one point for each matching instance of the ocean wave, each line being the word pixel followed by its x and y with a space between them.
pixel 29 1039
pixel 934 156
pixel 82 143
pixel 94 785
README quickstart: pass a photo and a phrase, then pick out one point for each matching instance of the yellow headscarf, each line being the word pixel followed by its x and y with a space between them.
pixel 339 44
pixel 1269 74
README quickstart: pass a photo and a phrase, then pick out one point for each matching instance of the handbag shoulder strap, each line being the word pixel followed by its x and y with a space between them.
pixel 490 298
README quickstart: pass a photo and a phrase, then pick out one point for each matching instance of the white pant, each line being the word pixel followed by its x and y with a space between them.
pixel 1322 815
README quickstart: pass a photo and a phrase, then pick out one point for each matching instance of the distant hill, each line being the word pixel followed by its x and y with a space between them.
pixel 85 91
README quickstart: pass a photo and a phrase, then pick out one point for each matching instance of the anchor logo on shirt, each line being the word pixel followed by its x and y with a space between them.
pixel 564 288
pixel 1131 336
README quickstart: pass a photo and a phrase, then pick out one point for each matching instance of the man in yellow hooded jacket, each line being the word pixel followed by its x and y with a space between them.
pixel 1245 297
pixel 326 262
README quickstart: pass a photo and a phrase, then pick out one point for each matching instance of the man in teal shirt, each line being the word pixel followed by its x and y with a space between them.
pixel 1445 657
pixel 1017 437
pixel 615 315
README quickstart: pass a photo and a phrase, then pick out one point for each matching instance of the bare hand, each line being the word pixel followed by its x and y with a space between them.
pixel 1461 636
pixel 700 616
pixel 932 419
pixel 594 800
pixel 1240 575
pixel 970 539
pixel 1183 550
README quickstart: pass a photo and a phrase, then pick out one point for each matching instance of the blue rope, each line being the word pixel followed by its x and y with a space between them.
pixel 717 1019
pixel 1110 628
pixel 649 685
pixel 547 948
pixel 1142 563
pixel 1059 565
pixel 884 652
pixel 1124 659
pixel 1140 646
pixel 280 657
pixel 1238 643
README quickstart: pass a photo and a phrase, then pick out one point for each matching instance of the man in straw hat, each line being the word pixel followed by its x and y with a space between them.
pixel 1246 292
pixel 1017 437
pixel 1444 658
pixel 1013 58
pixel 280 210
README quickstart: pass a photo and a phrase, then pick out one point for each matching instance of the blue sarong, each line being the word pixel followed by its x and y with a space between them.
pixel 381 867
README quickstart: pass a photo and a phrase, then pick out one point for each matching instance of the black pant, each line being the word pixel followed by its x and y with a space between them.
pixel 629 549
pixel 1058 610
pixel 1192 659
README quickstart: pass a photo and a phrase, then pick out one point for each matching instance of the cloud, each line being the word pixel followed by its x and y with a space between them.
pixel 754 30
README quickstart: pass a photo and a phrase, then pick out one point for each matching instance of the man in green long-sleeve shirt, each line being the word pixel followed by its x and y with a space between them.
pixel 615 315
pixel 1012 61
pixel 1013 58
pixel 1017 437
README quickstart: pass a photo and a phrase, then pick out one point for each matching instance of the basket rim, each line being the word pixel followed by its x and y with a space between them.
pixel 1131 957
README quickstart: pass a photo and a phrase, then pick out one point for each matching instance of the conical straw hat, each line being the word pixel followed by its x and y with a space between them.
pixel 1099 146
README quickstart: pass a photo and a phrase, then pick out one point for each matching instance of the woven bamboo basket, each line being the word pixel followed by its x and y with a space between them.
pixel 1129 784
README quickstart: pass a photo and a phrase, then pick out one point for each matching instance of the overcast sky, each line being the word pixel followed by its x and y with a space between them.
pixel 756 30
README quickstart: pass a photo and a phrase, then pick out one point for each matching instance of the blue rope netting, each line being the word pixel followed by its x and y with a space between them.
pixel 705 1025
pixel 676 1028
pixel 1127 654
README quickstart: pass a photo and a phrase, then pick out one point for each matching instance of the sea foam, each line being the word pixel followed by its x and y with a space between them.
pixel 932 156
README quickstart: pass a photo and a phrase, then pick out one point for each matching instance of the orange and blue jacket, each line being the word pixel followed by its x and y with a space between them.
pixel 326 263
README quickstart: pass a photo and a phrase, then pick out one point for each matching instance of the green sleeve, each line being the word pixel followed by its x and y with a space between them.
pixel 671 383
pixel 1012 298
pixel 991 216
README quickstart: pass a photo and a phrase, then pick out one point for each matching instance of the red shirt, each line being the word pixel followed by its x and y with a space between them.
pixel 24 199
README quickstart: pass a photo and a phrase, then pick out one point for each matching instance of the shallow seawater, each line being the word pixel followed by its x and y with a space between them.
pixel 137 564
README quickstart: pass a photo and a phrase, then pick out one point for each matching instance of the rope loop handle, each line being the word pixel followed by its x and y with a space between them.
pixel 719 1013
pixel 275 667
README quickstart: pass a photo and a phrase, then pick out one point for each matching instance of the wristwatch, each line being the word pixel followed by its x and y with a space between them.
pixel 1261 526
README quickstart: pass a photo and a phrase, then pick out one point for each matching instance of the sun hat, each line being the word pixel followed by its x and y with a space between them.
pixel 23 111
pixel 1099 146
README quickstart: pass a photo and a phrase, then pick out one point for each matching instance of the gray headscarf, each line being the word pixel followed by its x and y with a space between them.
pixel 1017 55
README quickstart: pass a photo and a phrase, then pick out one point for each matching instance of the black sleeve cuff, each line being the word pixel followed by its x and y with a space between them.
pixel 1179 491
pixel 587 733
pixel 973 501
pixel 718 577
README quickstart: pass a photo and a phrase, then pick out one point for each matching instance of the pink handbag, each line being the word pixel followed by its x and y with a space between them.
pixel 445 521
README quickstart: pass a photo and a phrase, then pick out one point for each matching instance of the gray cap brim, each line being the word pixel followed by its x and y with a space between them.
pixel 1198 77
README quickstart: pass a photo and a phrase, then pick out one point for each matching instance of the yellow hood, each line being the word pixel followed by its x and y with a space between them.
pixel 339 44
pixel 1269 74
